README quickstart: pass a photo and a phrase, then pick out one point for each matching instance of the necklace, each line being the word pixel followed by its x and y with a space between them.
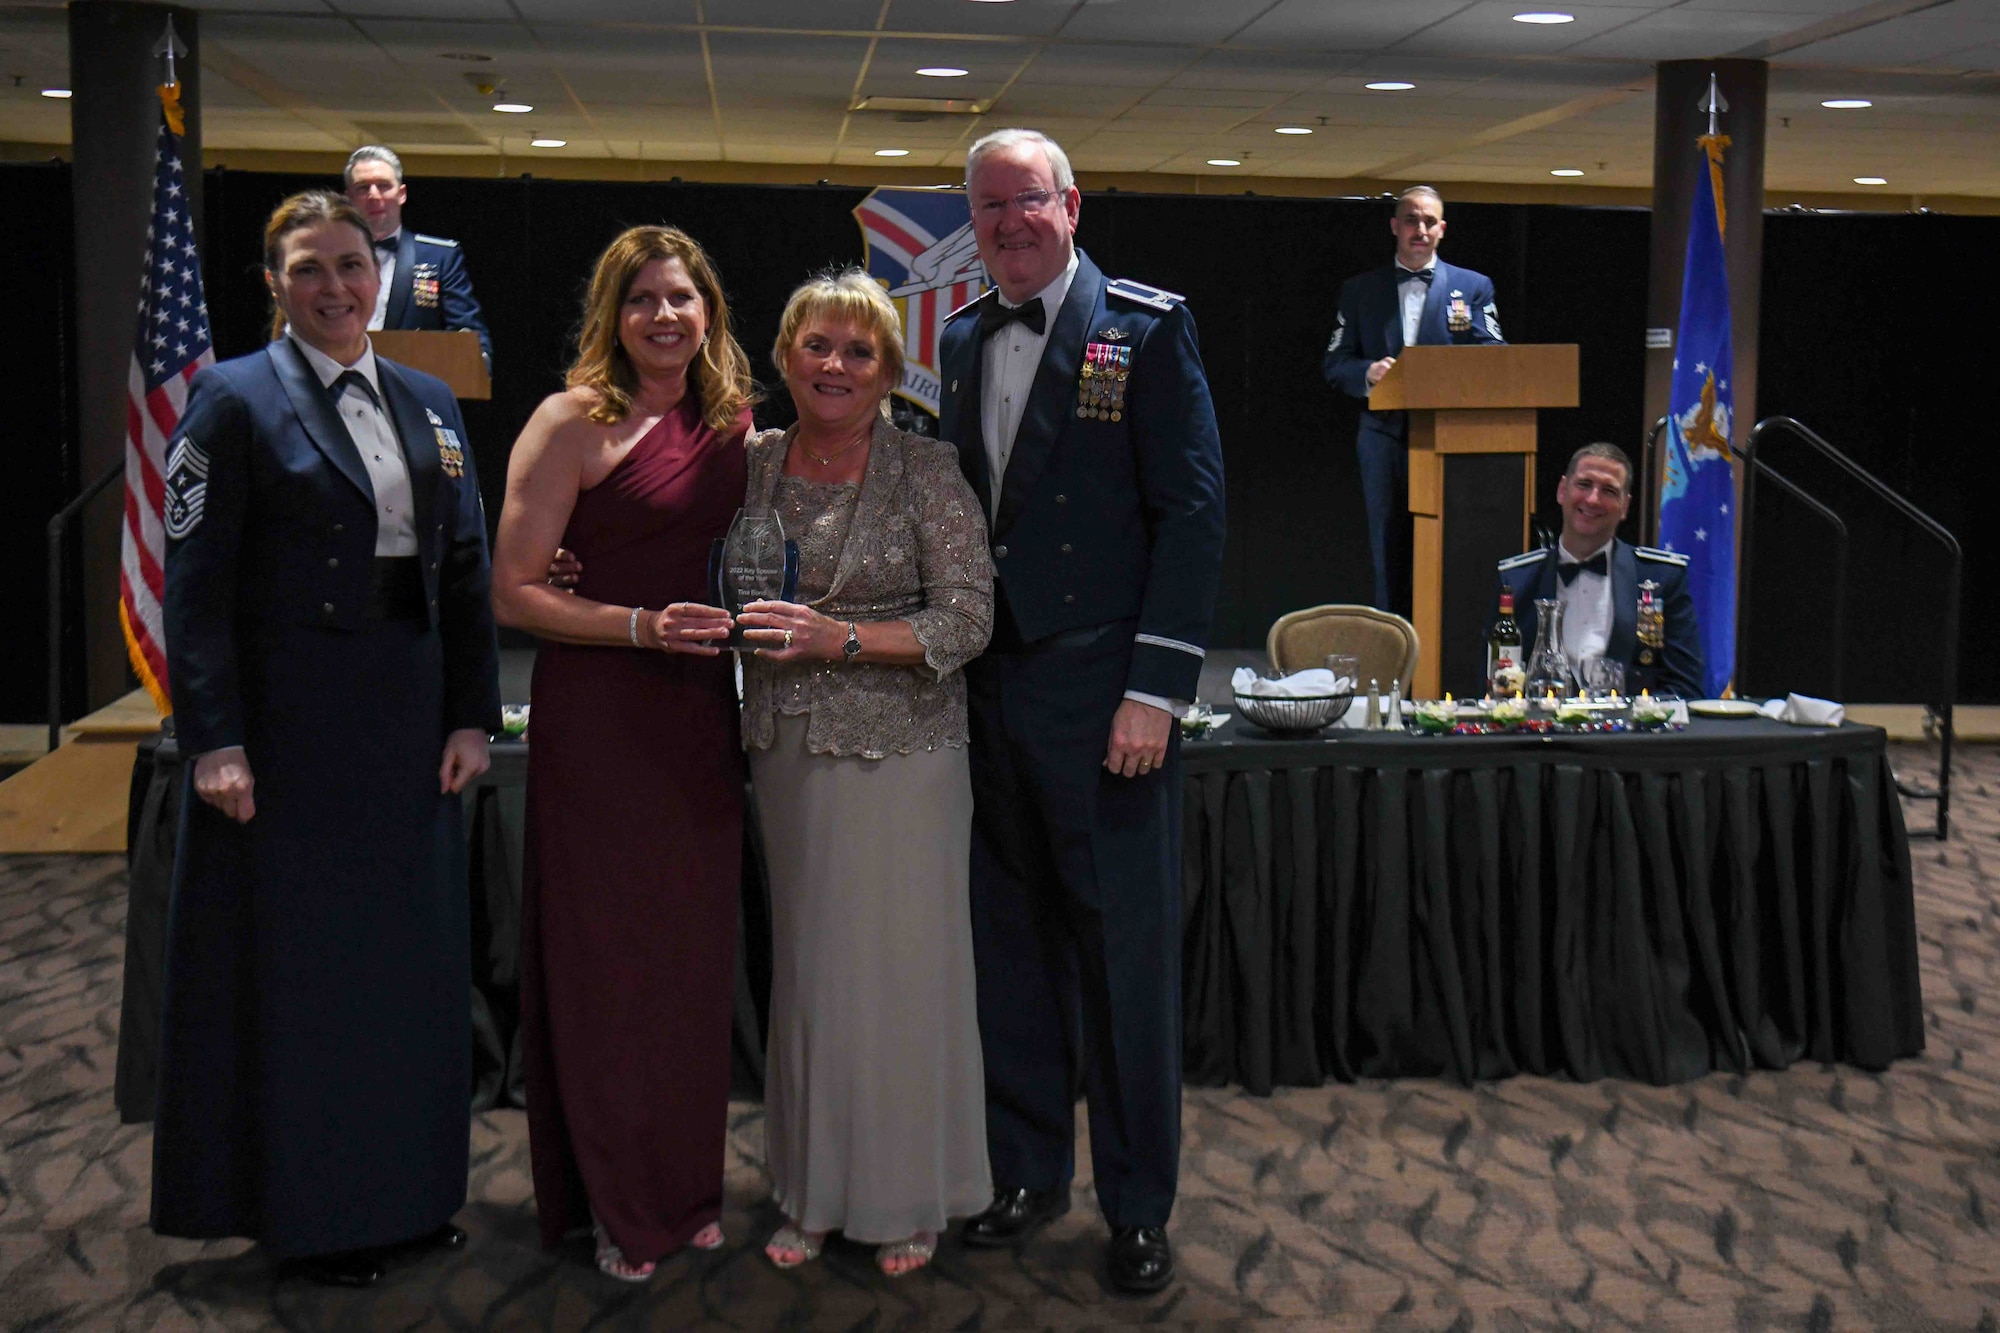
pixel 848 448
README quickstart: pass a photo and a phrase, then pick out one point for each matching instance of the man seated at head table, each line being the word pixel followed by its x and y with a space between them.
pixel 425 283
pixel 1598 580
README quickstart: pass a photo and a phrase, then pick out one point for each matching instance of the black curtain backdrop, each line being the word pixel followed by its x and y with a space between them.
pixel 1852 347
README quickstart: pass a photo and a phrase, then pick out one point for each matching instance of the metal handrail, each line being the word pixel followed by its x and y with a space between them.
pixel 58 530
pixel 1948 667
pixel 1799 493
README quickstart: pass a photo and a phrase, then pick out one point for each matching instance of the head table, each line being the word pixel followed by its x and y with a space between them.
pixel 1377 905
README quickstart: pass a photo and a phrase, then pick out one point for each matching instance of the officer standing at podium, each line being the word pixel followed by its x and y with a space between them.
pixel 425 284
pixel 1419 299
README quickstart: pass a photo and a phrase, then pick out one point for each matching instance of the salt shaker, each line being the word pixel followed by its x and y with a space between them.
pixel 1374 720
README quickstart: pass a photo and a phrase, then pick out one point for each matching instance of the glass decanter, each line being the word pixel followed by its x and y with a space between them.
pixel 1549 671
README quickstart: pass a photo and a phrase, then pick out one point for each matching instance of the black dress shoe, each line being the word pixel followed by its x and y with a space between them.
pixel 447 1237
pixel 1141 1259
pixel 1014 1215
pixel 347 1268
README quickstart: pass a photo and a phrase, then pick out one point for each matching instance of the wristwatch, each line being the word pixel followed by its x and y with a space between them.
pixel 852 648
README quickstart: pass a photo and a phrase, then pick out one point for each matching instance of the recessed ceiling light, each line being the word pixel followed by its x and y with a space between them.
pixel 55 92
pixel 1871 180
pixel 1846 103
pixel 1223 162
pixel 1544 16
pixel 942 72
pixel 892 152
pixel 1566 171
pixel 1389 86
pixel 547 143
pixel 1293 129
pixel 513 108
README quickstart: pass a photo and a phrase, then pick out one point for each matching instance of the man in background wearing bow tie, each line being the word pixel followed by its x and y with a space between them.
pixel 425 284
pixel 1596 577
pixel 1420 300
pixel 1083 421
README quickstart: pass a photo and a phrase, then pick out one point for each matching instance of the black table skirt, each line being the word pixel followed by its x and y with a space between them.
pixel 1376 905
pixel 1644 907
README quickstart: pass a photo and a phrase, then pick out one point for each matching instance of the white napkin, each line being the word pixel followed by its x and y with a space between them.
pixel 1805 711
pixel 1317 681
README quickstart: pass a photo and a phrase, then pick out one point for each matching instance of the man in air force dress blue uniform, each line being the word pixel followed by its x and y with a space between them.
pixel 425 281
pixel 1083 420
pixel 1596 577
pixel 1419 299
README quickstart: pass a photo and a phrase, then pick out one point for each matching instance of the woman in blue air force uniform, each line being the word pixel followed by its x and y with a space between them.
pixel 333 667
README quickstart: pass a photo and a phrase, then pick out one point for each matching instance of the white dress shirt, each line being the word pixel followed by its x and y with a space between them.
pixel 1009 360
pixel 1586 603
pixel 385 260
pixel 375 438
pixel 1413 295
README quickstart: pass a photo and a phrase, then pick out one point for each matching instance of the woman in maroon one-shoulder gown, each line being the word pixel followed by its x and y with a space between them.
pixel 635 774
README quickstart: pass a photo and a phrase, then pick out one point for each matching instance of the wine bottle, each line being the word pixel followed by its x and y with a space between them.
pixel 1505 672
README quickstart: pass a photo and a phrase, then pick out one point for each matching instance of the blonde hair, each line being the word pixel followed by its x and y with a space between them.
pixel 308 208
pixel 720 374
pixel 845 294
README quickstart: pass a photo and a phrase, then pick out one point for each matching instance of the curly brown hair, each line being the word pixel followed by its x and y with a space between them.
pixel 720 375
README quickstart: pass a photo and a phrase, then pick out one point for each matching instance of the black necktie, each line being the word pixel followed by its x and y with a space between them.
pixel 1423 275
pixel 1597 564
pixel 993 315
pixel 355 377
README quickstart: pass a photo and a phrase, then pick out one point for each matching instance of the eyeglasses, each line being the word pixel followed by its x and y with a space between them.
pixel 1030 202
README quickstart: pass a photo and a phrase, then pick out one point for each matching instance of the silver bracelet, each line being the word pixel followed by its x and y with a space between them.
pixel 632 627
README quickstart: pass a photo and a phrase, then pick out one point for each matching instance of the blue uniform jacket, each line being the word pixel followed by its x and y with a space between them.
pixel 445 301
pixel 1370 327
pixel 271 521
pixel 1676 668
pixel 1102 521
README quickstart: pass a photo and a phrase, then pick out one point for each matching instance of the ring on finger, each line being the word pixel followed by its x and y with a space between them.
pixel 788 638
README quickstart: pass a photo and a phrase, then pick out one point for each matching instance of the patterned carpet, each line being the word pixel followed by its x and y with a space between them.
pixel 1815 1199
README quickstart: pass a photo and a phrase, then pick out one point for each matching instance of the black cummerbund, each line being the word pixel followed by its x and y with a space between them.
pixel 396 590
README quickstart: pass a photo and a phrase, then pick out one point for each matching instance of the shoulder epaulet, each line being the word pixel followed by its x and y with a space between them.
pixel 1525 558
pixel 1153 298
pixel 437 240
pixel 1655 553
pixel 990 291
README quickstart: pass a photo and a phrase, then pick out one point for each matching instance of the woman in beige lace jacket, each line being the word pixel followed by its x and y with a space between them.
pixel 854 717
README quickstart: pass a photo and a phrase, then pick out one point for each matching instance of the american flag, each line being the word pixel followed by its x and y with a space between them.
pixel 920 245
pixel 172 344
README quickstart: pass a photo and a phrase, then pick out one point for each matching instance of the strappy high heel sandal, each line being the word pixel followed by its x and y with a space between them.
pixel 920 1246
pixel 709 1237
pixel 789 1240
pixel 611 1260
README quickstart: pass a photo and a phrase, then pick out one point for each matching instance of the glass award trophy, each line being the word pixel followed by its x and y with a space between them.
pixel 756 562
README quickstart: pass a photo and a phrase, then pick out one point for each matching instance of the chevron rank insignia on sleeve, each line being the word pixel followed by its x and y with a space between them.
pixel 187 487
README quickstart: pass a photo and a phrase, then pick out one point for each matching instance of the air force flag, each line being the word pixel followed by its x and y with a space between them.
pixel 1698 495
pixel 920 247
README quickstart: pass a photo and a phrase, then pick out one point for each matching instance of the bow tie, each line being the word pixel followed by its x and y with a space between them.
pixel 993 316
pixel 1423 275
pixel 359 381
pixel 1597 564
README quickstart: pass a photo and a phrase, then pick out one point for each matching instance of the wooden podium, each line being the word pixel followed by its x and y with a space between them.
pixel 453 357
pixel 1472 485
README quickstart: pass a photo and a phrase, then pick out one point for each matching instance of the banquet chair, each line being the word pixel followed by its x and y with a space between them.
pixel 1384 645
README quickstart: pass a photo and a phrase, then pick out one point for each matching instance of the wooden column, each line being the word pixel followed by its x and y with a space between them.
pixel 114 128
pixel 1678 121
